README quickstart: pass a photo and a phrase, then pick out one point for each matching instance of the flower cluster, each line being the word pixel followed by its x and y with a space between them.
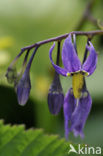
pixel 21 80
pixel 77 102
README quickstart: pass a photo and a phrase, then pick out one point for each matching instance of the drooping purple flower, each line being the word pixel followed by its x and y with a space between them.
pixel 77 102
pixel 73 66
pixel 20 74
pixel 55 96
pixel 23 87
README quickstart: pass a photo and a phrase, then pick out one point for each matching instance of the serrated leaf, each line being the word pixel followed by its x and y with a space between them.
pixel 15 141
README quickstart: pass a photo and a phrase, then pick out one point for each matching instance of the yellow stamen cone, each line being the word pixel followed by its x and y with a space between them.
pixel 77 84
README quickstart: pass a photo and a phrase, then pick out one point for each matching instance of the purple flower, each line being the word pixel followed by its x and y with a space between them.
pixel 77 102
pixel 76 115
pixel 23 87
pixel 71 61
pixel 55 96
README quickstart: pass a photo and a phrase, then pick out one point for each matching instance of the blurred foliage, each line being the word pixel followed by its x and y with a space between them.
pixel 23 23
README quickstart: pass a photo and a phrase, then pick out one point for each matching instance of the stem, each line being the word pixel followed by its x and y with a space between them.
pixel 74 41
pixel 86 14
pixel 89 34
pixel 58 53
pixel 16 58
pixel 86 51
pixel 56 81
pixel 26 56
pixel 24 62
pixel 31 59
pixel 84 59
pixel 56 75
pixel 93 20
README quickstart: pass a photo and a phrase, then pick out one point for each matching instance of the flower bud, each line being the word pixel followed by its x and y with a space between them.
pixel 55 96
pixel 11 74
pixel 23 86
pixel 23 89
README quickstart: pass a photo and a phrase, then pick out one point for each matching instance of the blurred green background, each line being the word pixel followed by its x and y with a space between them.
pixel 23 23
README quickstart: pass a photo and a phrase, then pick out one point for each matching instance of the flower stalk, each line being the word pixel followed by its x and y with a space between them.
pixel 89 34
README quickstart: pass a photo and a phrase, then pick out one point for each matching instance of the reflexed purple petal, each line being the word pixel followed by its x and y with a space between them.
pixel 69 56
pixel 69 106
pixel 55 102
pixel 23 89
pixel 80 114
pixel 58 69
pixel 91 62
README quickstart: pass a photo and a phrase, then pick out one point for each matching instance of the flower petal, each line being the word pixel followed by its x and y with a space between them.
pixel 69 56
pixel 69 106
pixel 58 69
pixel 90 64
pixel 80 114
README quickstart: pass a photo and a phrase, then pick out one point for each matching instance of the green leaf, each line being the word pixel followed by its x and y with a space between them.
pixel 16 141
